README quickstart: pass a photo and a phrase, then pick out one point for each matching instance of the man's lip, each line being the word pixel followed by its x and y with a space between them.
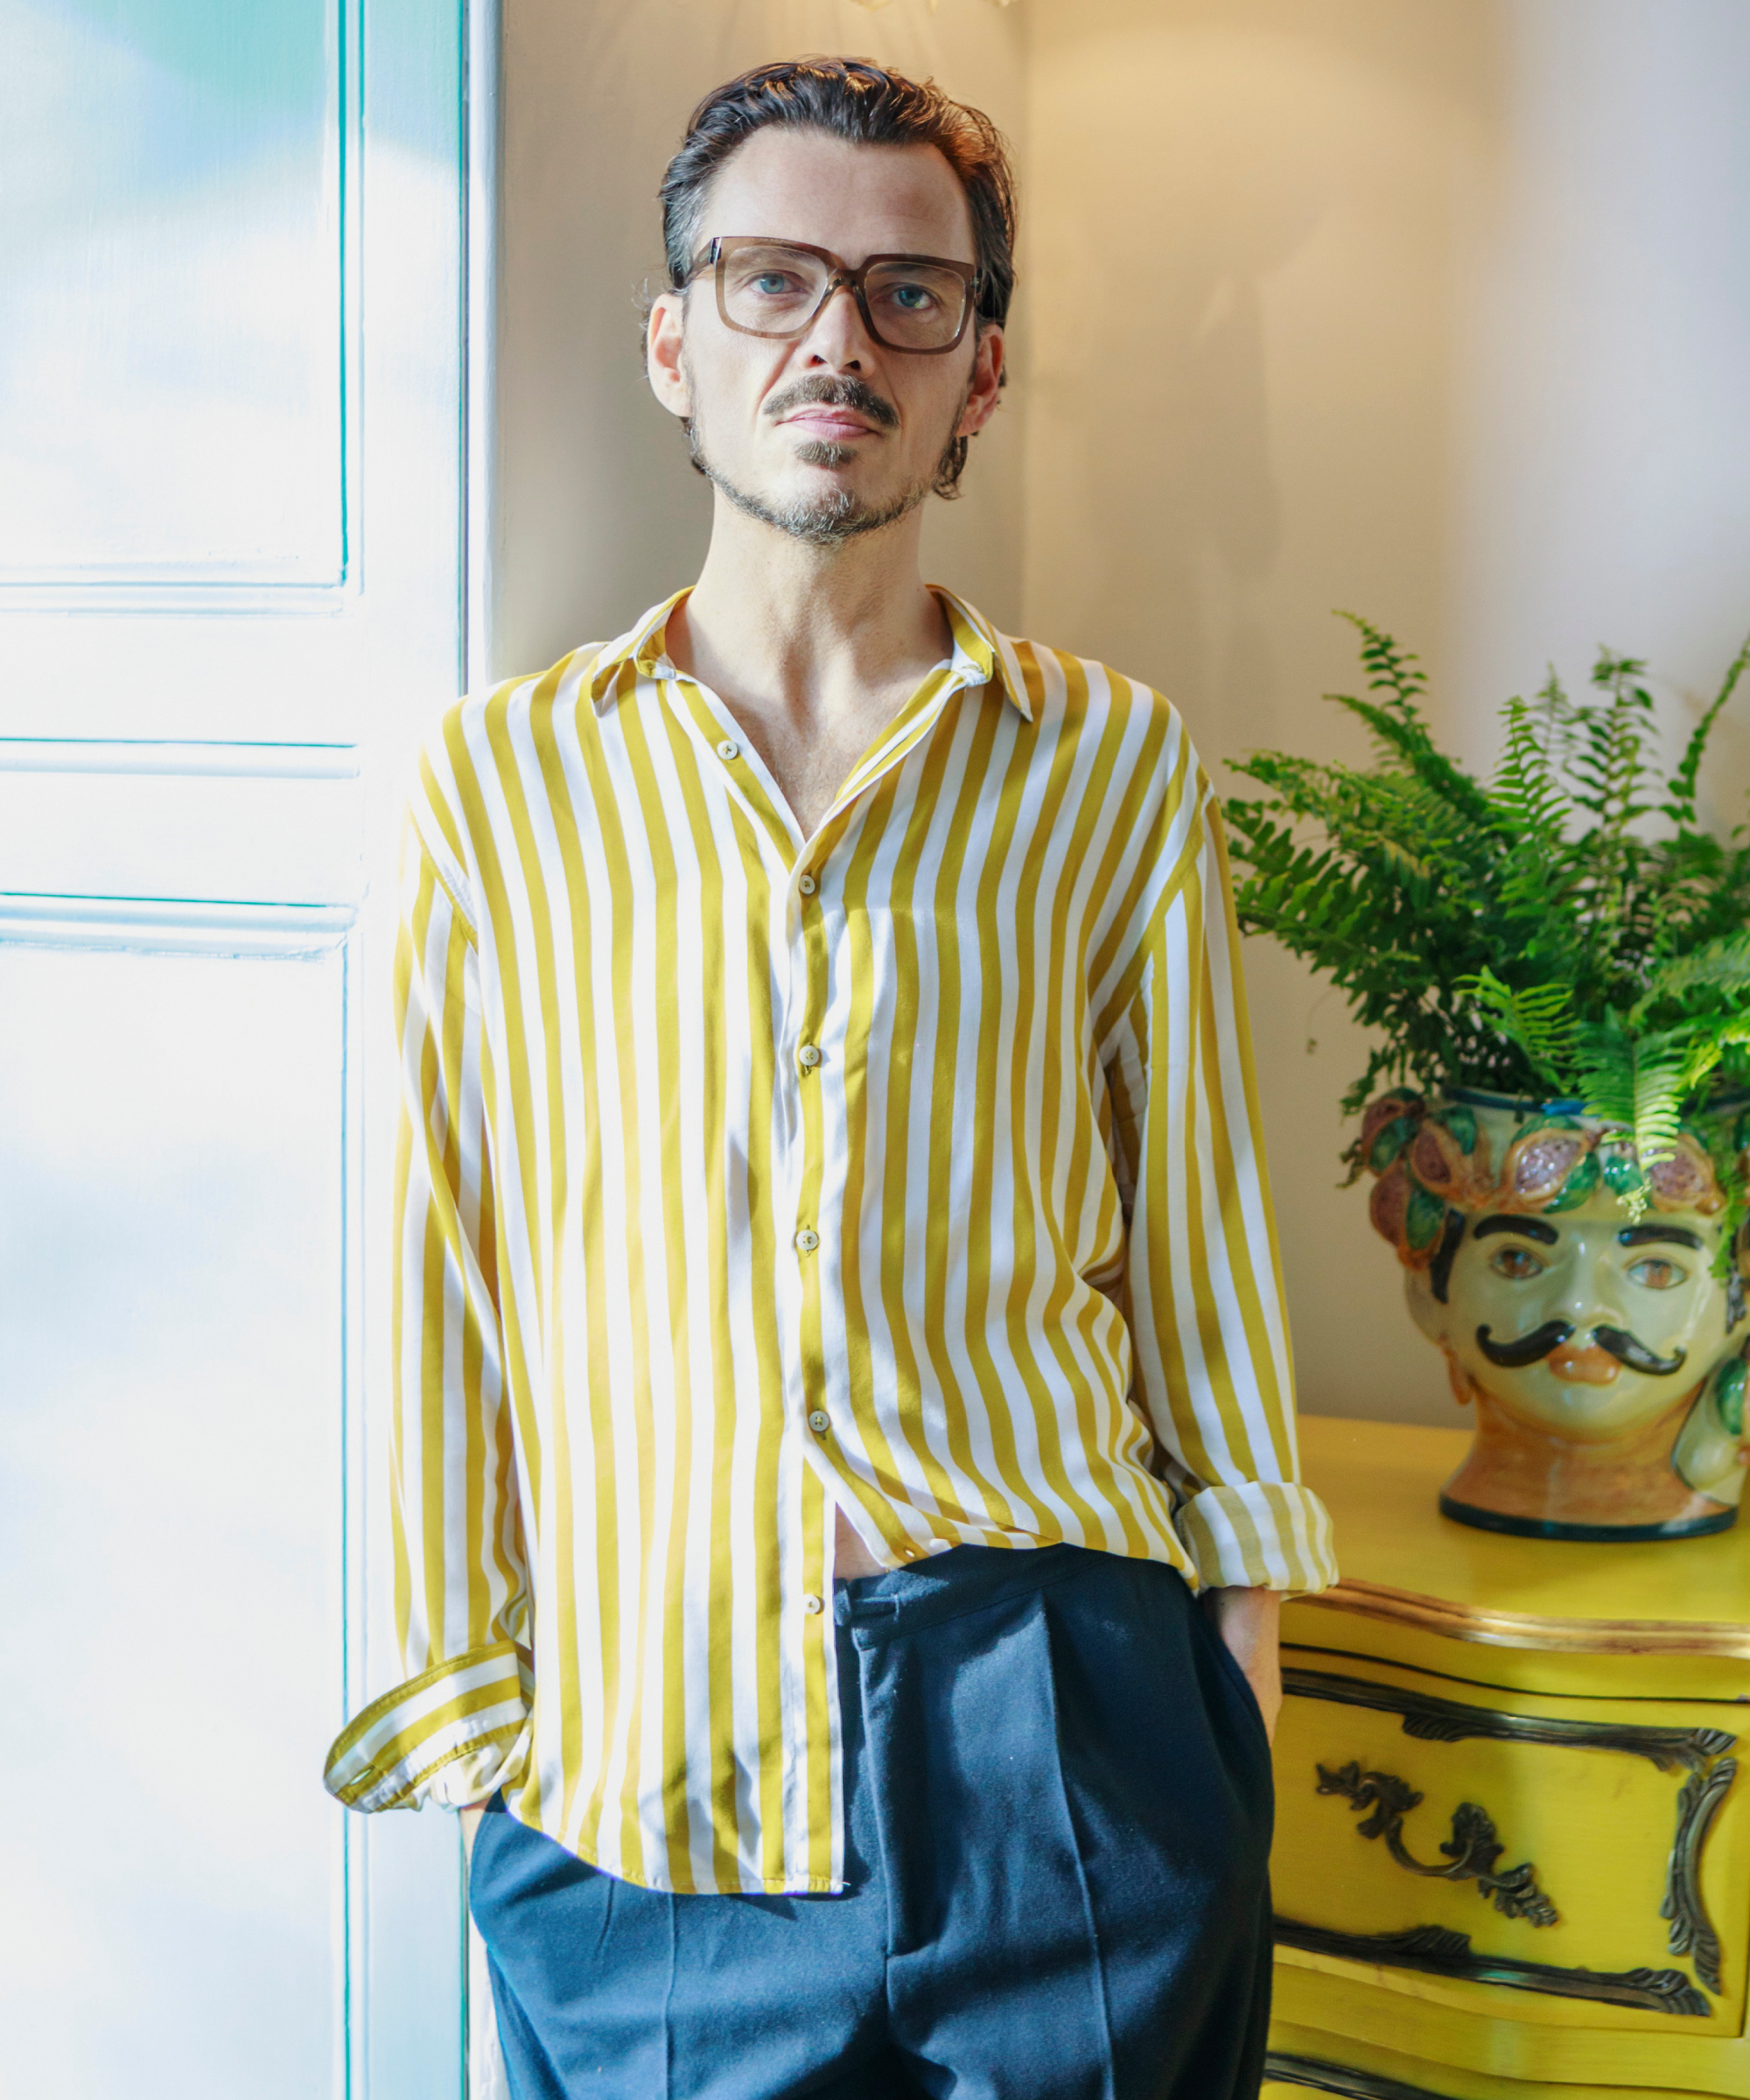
pixel 840 422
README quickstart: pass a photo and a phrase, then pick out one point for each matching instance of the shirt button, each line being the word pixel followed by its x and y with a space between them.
pixel 808 1057
pixel 807 1240
pixel 807 885
pixel 820 1421
pixel 812 1605
pixel 728 749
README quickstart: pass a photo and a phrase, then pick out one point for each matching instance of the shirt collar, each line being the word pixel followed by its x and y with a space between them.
pixel 979 655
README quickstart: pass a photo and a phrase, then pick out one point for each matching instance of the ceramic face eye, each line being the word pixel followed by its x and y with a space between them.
pixel 1656 1273
pixel 1518 1265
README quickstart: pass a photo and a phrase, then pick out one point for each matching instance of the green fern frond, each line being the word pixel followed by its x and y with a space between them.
pixel 1526 794
pixel 1402 736
pixel 1608 765
pixel 1537 1019
pixel 1556 717
pixel 1639 1085
pixel 1530 809
pixel 1393 668
pixel 1537 934
pixel 1680 790
pixel 1721 967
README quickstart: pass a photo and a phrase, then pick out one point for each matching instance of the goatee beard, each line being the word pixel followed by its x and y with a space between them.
pixel 828 520
pixel 836 516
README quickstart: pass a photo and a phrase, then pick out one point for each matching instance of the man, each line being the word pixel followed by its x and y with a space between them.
pixel 839 1322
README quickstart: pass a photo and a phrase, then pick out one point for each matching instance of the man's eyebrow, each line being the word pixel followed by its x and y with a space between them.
pixel 1532 1228
pixel 1652 1236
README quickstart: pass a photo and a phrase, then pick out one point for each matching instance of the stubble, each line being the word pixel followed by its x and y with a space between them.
pixel 835 515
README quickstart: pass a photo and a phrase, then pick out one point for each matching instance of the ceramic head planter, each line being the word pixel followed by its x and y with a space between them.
pixel 1585 1314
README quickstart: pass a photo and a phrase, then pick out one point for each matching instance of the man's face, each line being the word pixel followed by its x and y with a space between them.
pixel 831 432
pixel 1582 1325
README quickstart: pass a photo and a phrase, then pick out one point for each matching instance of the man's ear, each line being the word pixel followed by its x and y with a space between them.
pixel 987 378
pixel 664 339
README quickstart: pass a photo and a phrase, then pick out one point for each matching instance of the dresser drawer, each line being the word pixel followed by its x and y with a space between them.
pixel 1558 1860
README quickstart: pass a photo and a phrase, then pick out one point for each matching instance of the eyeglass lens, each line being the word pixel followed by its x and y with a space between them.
pixel 774 290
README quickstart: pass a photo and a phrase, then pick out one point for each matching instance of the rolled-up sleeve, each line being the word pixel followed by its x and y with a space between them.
pixel 1213 1370
pixel 457 1726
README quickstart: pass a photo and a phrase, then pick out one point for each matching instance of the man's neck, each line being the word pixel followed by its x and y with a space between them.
pixel 813 649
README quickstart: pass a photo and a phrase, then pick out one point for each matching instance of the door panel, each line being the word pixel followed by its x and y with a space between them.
pixel 232 376
pixel 231 583
pixel 173 253
pixel 171 1168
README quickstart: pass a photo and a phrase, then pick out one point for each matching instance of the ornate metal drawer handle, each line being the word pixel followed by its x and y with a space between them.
pixel 1700 1752
pixel 1471 1851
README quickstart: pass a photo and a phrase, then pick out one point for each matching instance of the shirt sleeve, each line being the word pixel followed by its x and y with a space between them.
pixel 457 1726
pixel 1203 1281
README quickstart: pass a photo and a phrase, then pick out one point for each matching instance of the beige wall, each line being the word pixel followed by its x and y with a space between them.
pixel 1437 309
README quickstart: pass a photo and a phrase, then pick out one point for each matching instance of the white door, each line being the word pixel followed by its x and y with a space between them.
pixel 233 300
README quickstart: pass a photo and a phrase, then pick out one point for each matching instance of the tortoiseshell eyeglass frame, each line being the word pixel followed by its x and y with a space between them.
pixel 715 254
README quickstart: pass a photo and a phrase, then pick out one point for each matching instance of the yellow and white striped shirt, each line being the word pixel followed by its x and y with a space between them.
pixel 912 1167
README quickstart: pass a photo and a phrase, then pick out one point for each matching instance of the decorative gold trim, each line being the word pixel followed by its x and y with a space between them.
pixel 1691 1933
pixel 1525 1629
pixel 1700 1752
pixel 1339 2078
pixel 1435 1950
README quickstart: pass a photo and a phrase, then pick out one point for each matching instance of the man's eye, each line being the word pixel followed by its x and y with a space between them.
pixel 1655 1275
pixel 912 298
pixel 1516 1263
pixel 774 284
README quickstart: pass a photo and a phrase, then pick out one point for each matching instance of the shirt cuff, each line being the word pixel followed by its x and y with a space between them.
pixel 1261 1535
pixel 452 1736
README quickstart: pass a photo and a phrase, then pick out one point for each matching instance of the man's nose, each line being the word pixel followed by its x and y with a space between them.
pixel 838 336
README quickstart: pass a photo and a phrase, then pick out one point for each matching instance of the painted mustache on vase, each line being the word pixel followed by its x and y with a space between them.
pixel 1542 1342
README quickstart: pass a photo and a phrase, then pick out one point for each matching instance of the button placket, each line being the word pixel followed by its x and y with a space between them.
pixel 812 977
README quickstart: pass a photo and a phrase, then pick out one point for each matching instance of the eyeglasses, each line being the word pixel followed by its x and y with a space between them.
pixel 778 288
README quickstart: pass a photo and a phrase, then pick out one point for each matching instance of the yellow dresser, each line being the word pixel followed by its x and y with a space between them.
pixel 1513 1842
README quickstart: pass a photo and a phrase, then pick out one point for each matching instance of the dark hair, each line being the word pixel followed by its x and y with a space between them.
pixel 857 100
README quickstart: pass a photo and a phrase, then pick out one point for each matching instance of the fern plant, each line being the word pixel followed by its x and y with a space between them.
pixel 1567 927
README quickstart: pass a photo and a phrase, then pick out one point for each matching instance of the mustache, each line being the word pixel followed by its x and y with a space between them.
pixel 1615 1342
pixel 1625 1349
pixel 1529 1348
pixel 843 393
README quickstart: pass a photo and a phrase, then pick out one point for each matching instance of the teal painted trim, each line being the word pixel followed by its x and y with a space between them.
pixel 1600 1535
pixel 480 208
pixel 348 34
pixel 140 758
pixel 174 926
pixel 1523 1105
pixel 353 1879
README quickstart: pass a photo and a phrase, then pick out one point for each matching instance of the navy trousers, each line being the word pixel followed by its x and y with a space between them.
pixel 1058 1820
